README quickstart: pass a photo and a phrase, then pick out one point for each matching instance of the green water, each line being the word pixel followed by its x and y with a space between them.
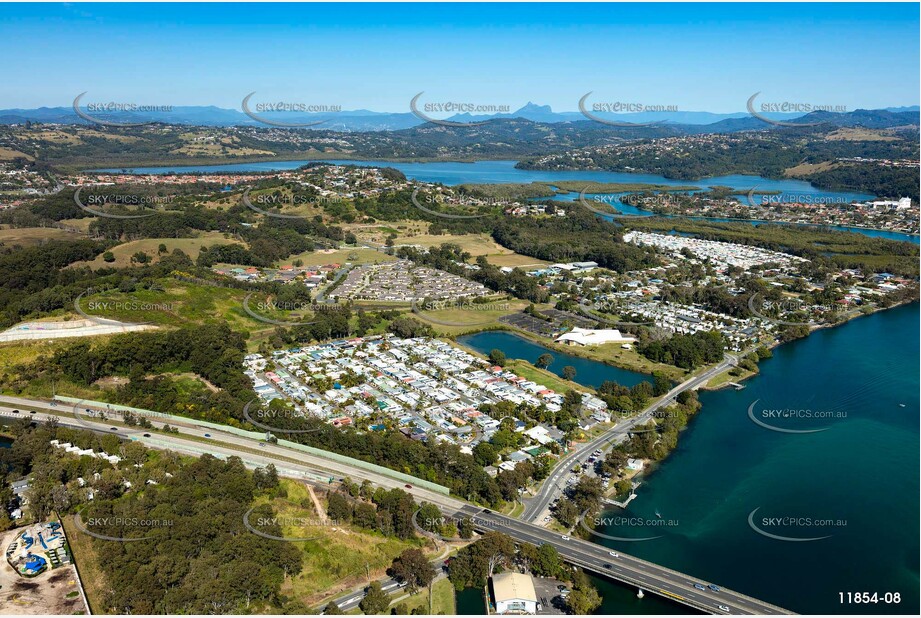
pixel 470 602
pixel 588 372
pixel 862 471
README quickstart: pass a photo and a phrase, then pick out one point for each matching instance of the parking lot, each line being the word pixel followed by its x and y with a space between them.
pixel 549 595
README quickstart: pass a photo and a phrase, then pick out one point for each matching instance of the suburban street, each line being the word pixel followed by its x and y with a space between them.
pixel 552 485
pixel 194 440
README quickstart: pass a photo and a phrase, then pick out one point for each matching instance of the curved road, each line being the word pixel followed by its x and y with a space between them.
pixel 552 487
pixel 314 469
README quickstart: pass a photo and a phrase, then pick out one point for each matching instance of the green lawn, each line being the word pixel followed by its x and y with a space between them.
pixel 443 601
pixel 337 561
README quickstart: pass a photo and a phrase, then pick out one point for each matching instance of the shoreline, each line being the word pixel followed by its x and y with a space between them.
pixel 653 466
pixel 552 345
pixel 833 227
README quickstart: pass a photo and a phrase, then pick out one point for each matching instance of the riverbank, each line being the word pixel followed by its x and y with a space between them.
pixel 627 360
pixel 725 467
pixel 835 227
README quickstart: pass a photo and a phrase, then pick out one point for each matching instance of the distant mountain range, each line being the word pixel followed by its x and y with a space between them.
pixel 365 120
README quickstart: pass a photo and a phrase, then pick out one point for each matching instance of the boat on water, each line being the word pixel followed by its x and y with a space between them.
pixel 658 514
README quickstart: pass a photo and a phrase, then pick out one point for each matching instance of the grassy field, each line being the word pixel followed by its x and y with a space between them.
pixel 443 601
pixel 29 236
pixel 725 378
pixel 340 557
pixel 459 320
pixel 7 154
pixel 179 303
pixel 87 563
pixel 475 245
pixel 610 353
pixel 809 168
pixel 213 147
pixel 23 352
pixel 82 224
pixel 628 359
pixel 515 260
pixel 860 134
pixel 542 376
pixel 191 246
pixel 322 257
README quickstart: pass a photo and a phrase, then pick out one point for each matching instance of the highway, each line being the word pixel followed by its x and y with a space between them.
pixel 194 440
pixel 255 453
pixel 552 486
pixel 627 569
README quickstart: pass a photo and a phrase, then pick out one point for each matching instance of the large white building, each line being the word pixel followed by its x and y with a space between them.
pixel 589 336
pixel 513 593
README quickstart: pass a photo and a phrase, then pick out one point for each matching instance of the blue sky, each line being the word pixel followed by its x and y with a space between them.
pixel 376 56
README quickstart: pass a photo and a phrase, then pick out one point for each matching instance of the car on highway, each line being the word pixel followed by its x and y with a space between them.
pixel 714 587
pixel 15 411
pixel 207 435
pixel 614 554
pixel 146 435
pixel 564 537
pixel 722 608
pixel 700 587
pixel 408 486
pixel 607 566
pixel 31 411
pixel 114 428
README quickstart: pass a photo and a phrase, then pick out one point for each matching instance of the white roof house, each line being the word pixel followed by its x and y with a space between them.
pixel 635 464
pixel 589 336
pixel 513 593
pixel 539 434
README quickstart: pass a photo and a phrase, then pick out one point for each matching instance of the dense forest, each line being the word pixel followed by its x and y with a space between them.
pixel 193 554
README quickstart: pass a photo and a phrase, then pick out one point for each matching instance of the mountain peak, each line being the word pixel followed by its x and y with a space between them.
pixel 534 107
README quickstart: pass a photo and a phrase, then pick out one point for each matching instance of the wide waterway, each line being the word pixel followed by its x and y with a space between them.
pixel 861 473
pixel 454 173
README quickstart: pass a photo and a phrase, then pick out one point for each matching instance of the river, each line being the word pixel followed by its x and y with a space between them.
pixel 454 173
pixel 860 474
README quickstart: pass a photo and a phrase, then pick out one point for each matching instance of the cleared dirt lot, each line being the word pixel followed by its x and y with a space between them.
pixel 52 592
